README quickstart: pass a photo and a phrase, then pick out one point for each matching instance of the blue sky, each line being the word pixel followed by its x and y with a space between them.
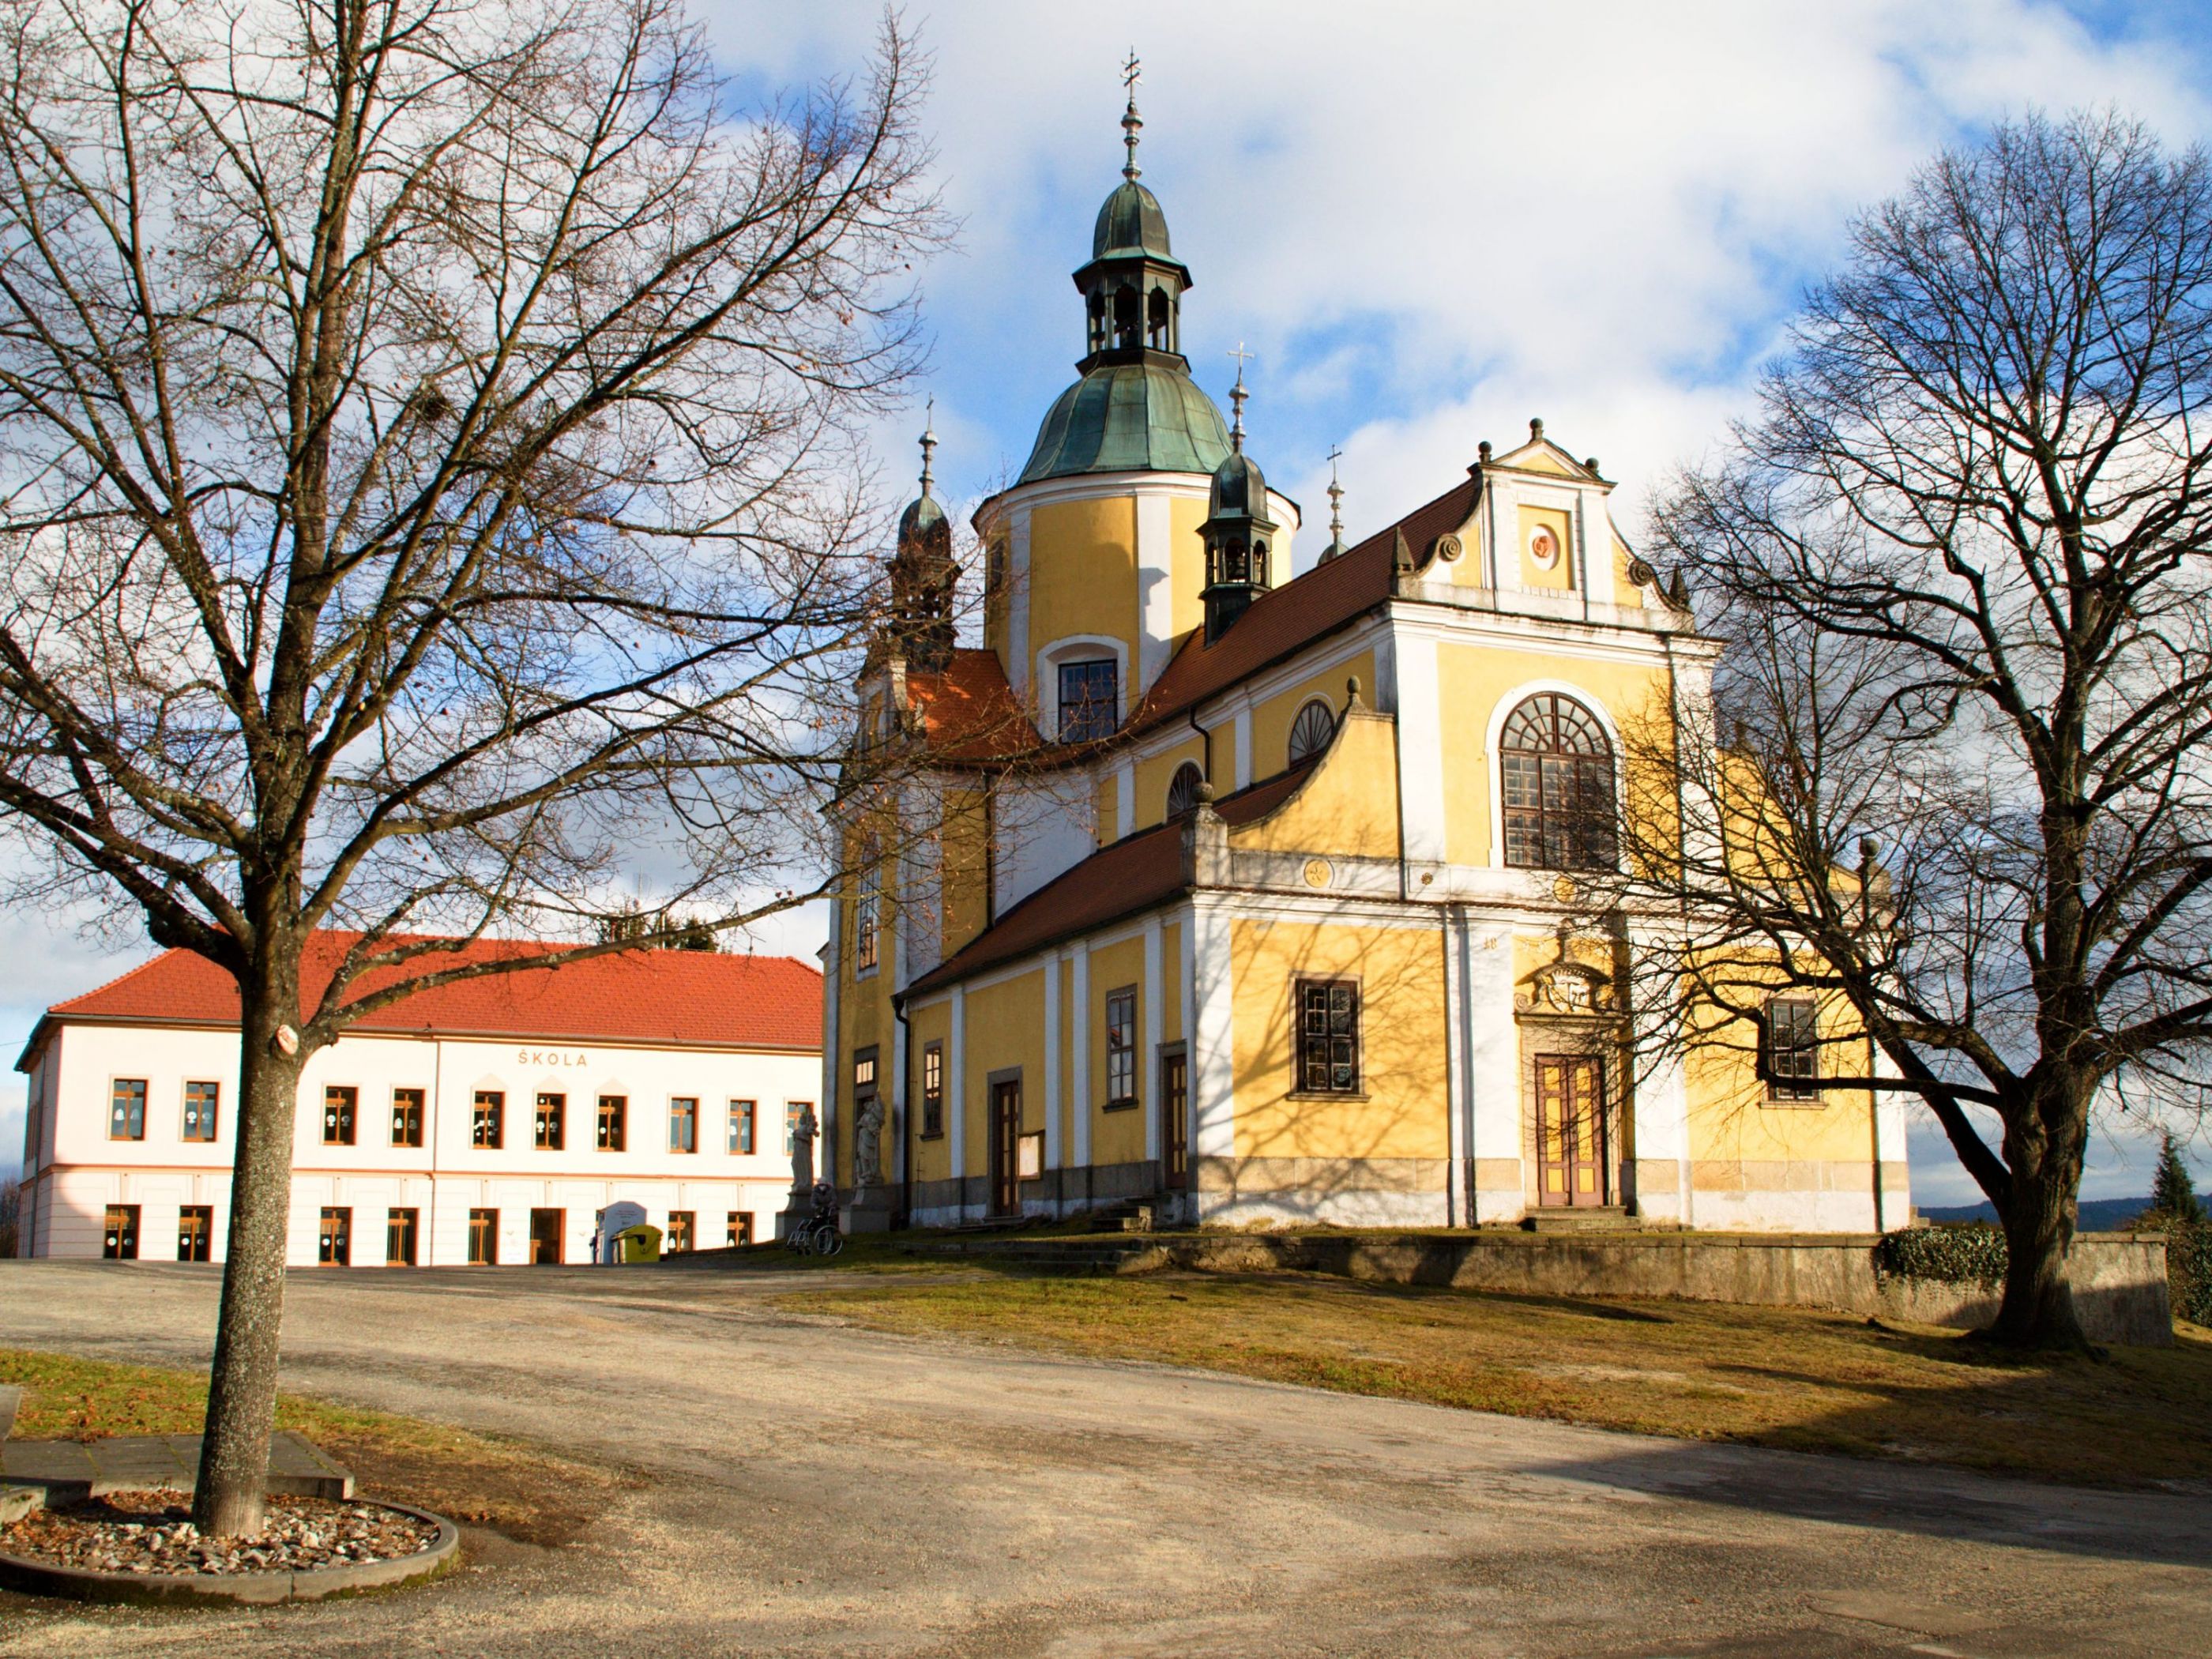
pixel 1429 223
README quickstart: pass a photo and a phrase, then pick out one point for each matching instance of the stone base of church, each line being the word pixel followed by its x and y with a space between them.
pixel 1052 1196
pixel 1326 1192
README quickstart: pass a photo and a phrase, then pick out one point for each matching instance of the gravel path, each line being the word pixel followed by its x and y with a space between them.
pixel 806 1487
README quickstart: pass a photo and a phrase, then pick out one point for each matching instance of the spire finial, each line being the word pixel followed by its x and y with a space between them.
pixel 1237 394
pixel 928 441
pixel 1335 500
pixel 1132 123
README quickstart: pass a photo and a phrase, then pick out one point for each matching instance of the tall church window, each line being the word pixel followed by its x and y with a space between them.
pixel 1328 1036
pixel 867 913
pixel 1310 732
pixel 1792 1040
pixel 1088 701
pixel 1183 789
pixel 1557 773
pixel 1121 1048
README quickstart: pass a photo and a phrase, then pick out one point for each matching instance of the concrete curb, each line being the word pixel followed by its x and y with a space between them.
pixel 34 1577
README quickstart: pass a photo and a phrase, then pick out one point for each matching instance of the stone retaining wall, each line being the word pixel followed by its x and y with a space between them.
pixel 2119 1279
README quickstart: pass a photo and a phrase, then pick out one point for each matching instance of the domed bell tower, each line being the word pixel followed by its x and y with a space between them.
pixel 924 577
pixel 1133 287
pixel 1238 531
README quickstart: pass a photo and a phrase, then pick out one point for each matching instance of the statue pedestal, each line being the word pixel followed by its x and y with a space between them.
pixel 870 1212
pixel 797 1208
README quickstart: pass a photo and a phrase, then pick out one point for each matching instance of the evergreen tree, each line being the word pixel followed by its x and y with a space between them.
pixel 2171 1195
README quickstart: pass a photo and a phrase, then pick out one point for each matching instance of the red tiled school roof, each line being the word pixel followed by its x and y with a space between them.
pixel 1119 879
pixel 685 997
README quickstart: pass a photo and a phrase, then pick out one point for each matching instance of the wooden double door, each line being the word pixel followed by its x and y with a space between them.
pixel 1573 1161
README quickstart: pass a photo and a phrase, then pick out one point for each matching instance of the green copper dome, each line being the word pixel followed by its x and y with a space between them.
pixel 1129 417
pixel 1130 222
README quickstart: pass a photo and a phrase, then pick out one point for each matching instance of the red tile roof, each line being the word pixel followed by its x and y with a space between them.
pixel 969 711
pixel 685 997
pixel 1286 619
pixel 1119 879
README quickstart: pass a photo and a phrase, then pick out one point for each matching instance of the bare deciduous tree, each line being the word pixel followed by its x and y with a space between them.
pixel 1960 779
pixel 430 477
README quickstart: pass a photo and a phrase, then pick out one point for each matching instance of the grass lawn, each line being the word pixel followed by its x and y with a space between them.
pixel 1794 1377
pixel 509 1487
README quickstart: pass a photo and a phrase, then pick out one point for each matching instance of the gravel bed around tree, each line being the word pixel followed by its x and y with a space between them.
pixel 152 1532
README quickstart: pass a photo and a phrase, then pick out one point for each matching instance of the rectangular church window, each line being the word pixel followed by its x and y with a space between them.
pixel 932 1090
pixel 1793 1051
pixel 1121 1048
pixel 1089 706
pixel 1328 1036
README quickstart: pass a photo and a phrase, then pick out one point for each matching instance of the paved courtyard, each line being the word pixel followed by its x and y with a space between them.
pixel 804 1487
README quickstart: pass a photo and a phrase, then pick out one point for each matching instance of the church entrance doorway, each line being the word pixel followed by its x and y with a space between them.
pixel 1005 1131
pixel 1571 1139
pixel 1174 1120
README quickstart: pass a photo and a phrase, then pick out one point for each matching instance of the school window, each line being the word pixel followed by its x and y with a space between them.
pixel 1121 1048
pixel 1328 1036
pixel 1793 1053
pixel 400 1233
pixel 1088 701
pixel 195 1226
pixel 126 1116
pixel 200 1100
pixel 551 1110
pixel 932 1090
pixel 741 1228
pixel 339 1104
pixel 407 1117
pixel 483 1238
pixel 680 1230
pixel 484 1129
pixel 741 1126
pixel 119 1243
pixel 682 1125
pixel 334 1238
pixel 614 1111
pixel 793 1110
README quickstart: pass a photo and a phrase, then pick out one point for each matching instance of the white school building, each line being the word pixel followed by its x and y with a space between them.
pixel 485 1122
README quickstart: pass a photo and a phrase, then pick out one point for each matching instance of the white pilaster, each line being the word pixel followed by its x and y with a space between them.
pixel 1493 1070
pixel 1597 546
pixel 1459 1212
pixel 1125 799
pixel 1148 1081
pixel 1155 589
pixel 1661 1095
pixel 1244 767
pixel 1213 1036
pixel 1079 1048
pixel 1421 751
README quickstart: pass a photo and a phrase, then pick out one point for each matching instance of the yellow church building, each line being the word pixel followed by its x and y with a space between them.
pixel 1262 897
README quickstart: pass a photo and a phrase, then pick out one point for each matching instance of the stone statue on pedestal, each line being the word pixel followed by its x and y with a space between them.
pixel 867 1144
pixel 802 1153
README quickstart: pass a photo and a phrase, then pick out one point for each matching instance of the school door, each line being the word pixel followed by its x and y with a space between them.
pixel 1174 1127
pixel 1570 1150
pixel 546 1227
pixel 1006 1131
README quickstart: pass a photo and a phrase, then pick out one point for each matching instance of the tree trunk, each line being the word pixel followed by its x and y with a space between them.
pixel 2046 1164
pixel 242 1383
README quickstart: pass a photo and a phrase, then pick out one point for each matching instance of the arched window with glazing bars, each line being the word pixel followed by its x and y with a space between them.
pixel 1556 767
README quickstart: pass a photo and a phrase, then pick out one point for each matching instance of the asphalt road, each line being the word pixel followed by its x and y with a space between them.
pixel 810 1488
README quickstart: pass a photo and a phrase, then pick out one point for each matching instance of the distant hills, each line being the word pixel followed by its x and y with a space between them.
pixel 2098 1215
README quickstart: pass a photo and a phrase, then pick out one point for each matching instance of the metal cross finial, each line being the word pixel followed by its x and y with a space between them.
pixel 1335 497
pixel 928 441
pixel 1237 394
pixel 1132 123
